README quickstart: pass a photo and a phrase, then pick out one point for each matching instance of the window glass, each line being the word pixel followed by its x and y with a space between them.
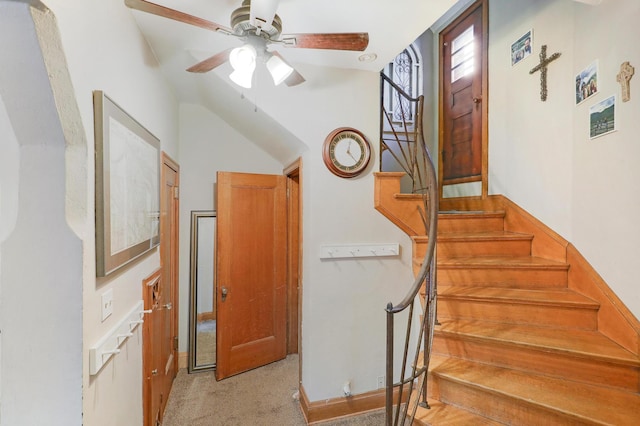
pixel 462 55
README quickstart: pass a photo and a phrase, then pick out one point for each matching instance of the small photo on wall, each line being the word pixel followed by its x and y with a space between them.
pixel 587 82
pixel 522 47
pixel 602 117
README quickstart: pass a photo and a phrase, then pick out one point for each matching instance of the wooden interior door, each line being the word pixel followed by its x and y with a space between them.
pixel 154 395
pixel 463 98
pixel 169 249
pixel 251 242
pixel 160 345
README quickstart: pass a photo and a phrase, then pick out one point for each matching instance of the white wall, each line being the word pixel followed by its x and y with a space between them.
pixel 208 145
pixel 530 149
pixel 41 270
pixel 605 196
pixel 540 154
pixel 9 161
pixel 105 51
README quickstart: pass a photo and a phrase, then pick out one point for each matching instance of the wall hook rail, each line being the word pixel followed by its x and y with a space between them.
pixel 111 343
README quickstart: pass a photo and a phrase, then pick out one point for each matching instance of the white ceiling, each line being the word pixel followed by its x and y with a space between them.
pixel 392 26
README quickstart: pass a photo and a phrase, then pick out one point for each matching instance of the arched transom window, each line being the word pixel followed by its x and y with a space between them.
pixel 405 71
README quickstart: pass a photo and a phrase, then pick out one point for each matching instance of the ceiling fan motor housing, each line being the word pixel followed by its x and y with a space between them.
pixel 240 22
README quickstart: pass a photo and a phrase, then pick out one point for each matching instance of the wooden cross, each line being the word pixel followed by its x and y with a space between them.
pixel 542 67
pixel 626 72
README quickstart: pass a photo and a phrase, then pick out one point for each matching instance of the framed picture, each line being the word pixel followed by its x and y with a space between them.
pixel 127 187
pixel 522 47
pixel 602 117
pixel 587 82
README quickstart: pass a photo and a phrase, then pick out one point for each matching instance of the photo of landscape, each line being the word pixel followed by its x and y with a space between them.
pixel 602 117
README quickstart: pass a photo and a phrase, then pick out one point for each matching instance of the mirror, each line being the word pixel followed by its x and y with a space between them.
pixel 202 303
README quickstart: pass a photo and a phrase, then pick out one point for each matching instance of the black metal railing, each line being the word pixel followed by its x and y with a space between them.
pixel 401 142
pixel 404 140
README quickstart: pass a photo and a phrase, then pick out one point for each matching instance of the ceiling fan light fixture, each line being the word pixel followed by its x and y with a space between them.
pixel 278 69
pixel 243 58
pixel 242 78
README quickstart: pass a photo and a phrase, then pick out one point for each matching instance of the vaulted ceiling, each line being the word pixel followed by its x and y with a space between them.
pixel 391 24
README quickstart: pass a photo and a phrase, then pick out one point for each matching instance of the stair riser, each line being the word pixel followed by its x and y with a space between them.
pixel 465 248
pixel 497 247
pixel 555 364
pixel 501 407
pixel 502 277
pixel 447 224
pixel 513 312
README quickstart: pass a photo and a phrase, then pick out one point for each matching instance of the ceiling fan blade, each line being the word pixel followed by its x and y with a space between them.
pixel 212 62
pixel 262 13
pixel 334 41
pixel 295 78
pixel 156 9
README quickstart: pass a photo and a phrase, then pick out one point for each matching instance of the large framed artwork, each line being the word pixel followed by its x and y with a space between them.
pixel 127 187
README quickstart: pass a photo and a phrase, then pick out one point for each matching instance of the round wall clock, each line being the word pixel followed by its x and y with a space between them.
pixel 346 152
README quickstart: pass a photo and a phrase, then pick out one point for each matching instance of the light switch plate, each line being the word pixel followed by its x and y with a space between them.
pixel 107 304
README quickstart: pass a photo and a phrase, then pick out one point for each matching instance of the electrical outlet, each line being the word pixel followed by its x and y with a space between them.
pixel 107 304
pixel 381 382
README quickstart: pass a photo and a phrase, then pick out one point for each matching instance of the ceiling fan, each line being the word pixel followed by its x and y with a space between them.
pixel 256 23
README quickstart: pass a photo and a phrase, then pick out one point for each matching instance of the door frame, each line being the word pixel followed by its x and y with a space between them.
pixel 484 4
pixel 294 255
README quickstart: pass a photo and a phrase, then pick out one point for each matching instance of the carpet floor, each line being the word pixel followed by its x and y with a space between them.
pixel 261 397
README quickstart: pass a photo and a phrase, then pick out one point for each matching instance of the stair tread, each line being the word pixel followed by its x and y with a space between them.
pixel 445 414
pixel 502 262
pixel 579 343
pixel 580 401
pixel 535 296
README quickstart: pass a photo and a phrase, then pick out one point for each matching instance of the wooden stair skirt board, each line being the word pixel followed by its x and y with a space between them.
pixel 529 333
pixel 336 408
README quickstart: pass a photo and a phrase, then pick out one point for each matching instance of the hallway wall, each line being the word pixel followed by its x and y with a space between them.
pixel 40 255
pixel 105 51
pixel 541 155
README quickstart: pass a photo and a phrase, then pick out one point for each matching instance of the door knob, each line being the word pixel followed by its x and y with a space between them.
pixel 224 292
pixel 168 306
pixel 477 100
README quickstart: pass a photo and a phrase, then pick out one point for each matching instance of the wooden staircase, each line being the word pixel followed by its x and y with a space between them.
pixel 528 335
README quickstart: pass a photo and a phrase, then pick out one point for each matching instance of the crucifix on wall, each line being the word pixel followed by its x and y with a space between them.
pixel 542 67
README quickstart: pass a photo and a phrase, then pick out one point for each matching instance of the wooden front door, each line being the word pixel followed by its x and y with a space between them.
pixel 160 348
pixel 463 98
pixel 251 241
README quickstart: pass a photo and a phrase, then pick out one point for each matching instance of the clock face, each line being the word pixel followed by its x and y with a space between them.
pixel 346 152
